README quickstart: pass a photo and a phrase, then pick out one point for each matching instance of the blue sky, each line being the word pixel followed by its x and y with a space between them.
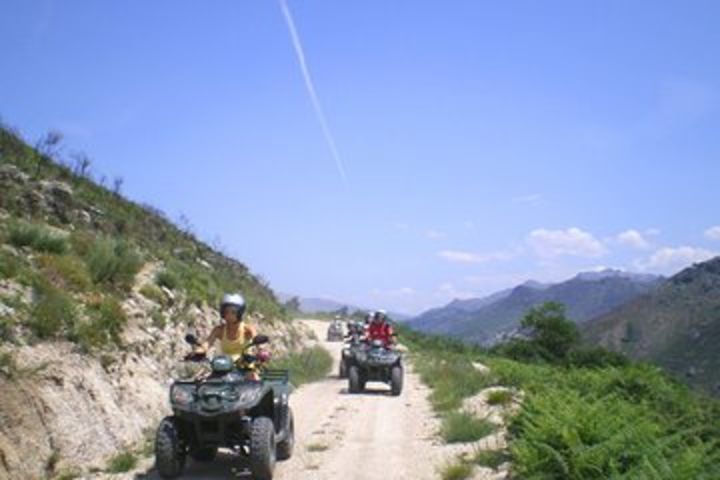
pixel 484 143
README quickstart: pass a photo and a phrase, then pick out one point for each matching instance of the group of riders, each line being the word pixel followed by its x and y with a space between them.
pixel 235 334
pixel 375 327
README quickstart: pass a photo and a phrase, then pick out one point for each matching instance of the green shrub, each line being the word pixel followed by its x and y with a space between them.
pixel 65 271
pixel 7 365
pixel 158 319
pixel 456 471
pixel 52 312
pixel 490 458
pixel 308 365
pixel 6 328
pixel 553 333
pixel 596 357
pixel 81 242
pixel 113 262
pixel 122 462
pixel 103 326
pixel 152 292
pixel 460 427
pixel 500 397
pixel 451 378
pixel 168 279
pixel 37 237
pixel 9 265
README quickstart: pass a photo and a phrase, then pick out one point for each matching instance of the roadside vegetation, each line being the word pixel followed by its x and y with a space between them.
pixel 586 413
pixel 308 365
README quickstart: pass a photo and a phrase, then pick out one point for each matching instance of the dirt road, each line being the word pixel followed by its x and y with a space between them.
pixel 350 437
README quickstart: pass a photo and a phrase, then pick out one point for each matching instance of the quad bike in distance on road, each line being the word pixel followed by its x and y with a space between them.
pixel 335 332
pixel 228 408
pixel 375 362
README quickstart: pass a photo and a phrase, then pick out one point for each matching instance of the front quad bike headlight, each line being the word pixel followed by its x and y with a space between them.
pixel 181 394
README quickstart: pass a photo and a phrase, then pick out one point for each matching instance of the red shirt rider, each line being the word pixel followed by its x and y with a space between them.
pixel 380 329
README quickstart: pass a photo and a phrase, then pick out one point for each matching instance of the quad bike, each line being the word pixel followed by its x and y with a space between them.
pixel 335 332
pixel 375 362
pixel 228 408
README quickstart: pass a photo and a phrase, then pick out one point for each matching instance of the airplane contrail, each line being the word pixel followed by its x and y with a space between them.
pixel 311 88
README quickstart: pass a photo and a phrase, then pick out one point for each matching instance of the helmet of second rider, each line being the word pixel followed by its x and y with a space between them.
pixel 380 316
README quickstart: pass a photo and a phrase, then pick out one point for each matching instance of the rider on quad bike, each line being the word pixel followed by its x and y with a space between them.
pixel 230 406
pixel 235 334
pixel 380 329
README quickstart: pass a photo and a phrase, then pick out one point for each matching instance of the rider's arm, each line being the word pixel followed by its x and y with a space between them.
pixel 214 335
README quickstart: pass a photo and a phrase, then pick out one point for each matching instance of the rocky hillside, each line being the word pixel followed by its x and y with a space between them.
pixel 676 326
pixel 585 296
pixel 96 295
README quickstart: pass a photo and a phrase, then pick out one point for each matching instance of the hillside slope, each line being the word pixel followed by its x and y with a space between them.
pixel 96 295
pixel 676 326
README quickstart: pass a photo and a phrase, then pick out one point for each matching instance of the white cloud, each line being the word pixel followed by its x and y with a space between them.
pixel 670 260
pixel 402 226
pixel 632 238
pixel 571 242
pixel 713 233
pixel 459 256
pixel 469 224
pixel 652 232
pixel 435 234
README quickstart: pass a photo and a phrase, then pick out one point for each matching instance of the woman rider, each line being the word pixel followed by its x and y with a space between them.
pixel 235 334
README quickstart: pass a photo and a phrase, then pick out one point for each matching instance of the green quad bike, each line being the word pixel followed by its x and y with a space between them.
pixel 227 410
pixel 375 362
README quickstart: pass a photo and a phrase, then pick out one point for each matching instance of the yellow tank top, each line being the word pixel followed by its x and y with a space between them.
pixel 234 347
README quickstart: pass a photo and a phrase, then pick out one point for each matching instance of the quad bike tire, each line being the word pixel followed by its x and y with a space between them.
pixel 263 451
pixel 285 448
pixel 342 373
pixel 396 380
pixel 355 383
pixel 170 454
pixel 204 454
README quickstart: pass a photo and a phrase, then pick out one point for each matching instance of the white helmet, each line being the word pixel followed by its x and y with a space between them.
pixel 233 300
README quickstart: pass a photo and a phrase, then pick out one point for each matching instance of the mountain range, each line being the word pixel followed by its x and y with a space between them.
pixel 586 296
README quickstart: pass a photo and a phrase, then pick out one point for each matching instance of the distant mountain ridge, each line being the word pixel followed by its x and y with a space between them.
pixel 326 305
pixel 586 296
pixel 676 325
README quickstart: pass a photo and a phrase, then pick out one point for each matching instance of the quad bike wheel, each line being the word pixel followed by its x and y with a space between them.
pixel 285 448
pixel 262 449
pixel 396 380
pixel 354 381
pixel 343 369
pixel 169 450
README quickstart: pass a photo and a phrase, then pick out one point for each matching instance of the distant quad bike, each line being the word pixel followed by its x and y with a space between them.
pixel 335 332
pixel 226 409
pixel 375 363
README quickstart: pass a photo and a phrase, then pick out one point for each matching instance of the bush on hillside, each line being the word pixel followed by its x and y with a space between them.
pixel 37 237
pixel 113 262
pixel 53 311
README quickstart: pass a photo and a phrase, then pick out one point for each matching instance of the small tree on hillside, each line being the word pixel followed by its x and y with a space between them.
pixel 552 332
pixel 293 305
